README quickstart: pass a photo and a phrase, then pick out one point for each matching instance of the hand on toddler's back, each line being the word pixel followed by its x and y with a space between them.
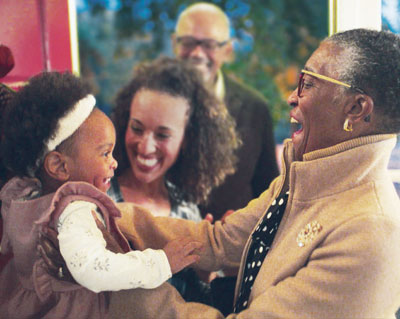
pixel 182 252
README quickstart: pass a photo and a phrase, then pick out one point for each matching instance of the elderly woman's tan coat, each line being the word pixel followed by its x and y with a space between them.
pixel 336 253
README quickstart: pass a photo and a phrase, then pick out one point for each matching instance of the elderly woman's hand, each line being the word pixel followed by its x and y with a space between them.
pixel 112 244
pixel 50 252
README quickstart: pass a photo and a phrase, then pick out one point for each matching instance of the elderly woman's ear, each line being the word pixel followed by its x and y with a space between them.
pixel 359 110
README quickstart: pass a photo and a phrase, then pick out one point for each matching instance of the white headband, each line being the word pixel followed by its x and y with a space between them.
pixel 68 124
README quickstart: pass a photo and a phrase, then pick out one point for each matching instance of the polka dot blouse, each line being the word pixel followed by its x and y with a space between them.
pixel 262 239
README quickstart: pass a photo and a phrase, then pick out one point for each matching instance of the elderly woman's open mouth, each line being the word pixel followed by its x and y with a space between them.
pixel 295 127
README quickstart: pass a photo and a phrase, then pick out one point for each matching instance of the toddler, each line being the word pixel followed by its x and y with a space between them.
pixel 60 148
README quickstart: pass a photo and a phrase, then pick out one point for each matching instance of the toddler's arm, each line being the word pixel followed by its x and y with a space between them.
pixel 181 252
pixel 93 266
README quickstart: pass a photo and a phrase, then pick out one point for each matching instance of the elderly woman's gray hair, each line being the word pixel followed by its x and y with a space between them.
pixel 372 63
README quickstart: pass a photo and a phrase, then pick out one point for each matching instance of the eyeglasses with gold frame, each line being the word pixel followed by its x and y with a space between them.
pixel 300 85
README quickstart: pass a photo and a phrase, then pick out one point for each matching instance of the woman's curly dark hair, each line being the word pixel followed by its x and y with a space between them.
pixel 32 115
pixel 210 136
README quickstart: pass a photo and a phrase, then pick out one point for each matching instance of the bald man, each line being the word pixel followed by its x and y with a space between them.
pixel 203 37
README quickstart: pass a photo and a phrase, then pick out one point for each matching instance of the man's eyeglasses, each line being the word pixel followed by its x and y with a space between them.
pixel 189 43
pixel 300 85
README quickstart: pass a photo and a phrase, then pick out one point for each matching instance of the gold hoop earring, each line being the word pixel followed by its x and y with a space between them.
pixel 348 127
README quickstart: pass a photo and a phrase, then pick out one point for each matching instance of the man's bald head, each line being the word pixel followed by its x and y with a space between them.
pixel 202 37
pixel 204 16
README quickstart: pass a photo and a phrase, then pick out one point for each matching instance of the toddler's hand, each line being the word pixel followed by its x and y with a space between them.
pixel 181 253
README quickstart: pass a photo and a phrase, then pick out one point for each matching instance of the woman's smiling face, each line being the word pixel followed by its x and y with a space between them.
pixel 155 133
pixel 320 107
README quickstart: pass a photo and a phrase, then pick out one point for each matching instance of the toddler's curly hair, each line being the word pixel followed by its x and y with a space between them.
pixel 31 118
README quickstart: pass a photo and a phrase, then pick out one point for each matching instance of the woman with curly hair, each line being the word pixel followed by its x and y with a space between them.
pixel 203 153
pixel 175 142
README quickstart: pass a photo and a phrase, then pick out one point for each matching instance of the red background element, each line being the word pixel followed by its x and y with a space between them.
pixel 24 28
pixel 6 60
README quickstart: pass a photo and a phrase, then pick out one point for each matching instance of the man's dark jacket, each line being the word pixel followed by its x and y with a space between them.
pixel 257 165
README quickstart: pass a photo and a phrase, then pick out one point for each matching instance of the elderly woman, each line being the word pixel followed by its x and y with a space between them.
pixel 324 240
